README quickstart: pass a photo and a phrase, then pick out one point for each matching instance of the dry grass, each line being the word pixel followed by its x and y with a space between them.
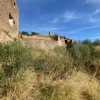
pixel 63 83
pixel 29 85
pixel 19 87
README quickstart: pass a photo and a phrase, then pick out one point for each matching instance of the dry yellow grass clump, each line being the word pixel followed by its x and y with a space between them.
pixel 28 85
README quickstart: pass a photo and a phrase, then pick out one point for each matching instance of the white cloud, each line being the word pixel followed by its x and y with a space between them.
pixel 76 31
pixel 70 15
pixel 83 17
pixel 85 28
pixel 55 20
pixel 94 20
pixel 92 1
pixel 97 11
pixel 66 17
pixel 92 17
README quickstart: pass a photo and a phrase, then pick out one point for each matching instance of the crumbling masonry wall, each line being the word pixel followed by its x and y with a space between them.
pixel 9 18
pixel 48 43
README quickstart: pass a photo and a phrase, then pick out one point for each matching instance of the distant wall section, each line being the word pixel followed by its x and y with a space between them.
pixel 47 43
pixel 43 44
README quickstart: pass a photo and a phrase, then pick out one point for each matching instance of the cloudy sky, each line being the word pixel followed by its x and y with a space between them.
pixel 76 19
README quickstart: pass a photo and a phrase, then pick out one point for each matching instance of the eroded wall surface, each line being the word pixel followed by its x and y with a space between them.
pixel 46 43
pixel 9 18
pixel 43 44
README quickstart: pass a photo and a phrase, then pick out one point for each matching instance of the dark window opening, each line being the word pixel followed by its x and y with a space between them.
pixel 65 41
pixel 14 4
pixel 10 16
pixel 11 19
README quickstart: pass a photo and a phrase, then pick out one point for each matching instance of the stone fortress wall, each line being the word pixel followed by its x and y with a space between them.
pixel 9 28
pixel 9 18
pixel 47 43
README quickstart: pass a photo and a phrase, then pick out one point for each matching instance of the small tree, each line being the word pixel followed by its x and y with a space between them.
pixel 25 33
pixel 87 41
pixel 34 33
pixel 55 37
pixel 96 42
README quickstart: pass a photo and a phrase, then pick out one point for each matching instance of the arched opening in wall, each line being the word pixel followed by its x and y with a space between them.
pixel 11 19
pixel 14 5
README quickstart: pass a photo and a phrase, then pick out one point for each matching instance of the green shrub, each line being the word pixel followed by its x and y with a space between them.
pixel 14 56
pixel 54 37
pixel 87 42
pixel 34 33
pixel 97 42
pixel 82 54
pixel 2 78
pixel 25 33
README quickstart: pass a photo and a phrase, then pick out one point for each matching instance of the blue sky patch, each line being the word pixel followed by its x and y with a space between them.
pixel 76 19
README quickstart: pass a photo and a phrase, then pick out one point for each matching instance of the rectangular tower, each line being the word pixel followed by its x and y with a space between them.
pixel 9 17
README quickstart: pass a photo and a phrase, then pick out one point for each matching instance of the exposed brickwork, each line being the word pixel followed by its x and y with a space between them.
pixel 9 17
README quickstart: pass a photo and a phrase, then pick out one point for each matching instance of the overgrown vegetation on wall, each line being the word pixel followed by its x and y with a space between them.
pixel 27 34
pixel 28 73
pixel 53 37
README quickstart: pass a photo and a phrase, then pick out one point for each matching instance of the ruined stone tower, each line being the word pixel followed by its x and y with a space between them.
pixel 9 18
